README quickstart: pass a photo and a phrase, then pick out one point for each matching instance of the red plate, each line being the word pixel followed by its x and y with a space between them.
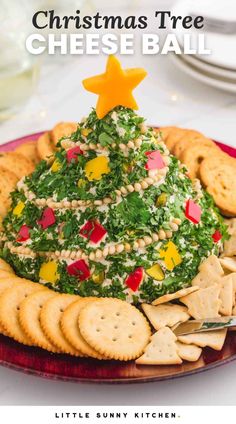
pixel 36 361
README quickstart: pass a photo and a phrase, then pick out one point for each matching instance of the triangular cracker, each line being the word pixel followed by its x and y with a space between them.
pixel 189 352
pixel 231 223
pixel 176 295
pixel 226 295
pixel 233 276
pixel 228 263
pixel 165 315
pixel 212 263
pixel 162 350
pixel 204 303
pixel 210 272
pixel 213 339
pixel 230 246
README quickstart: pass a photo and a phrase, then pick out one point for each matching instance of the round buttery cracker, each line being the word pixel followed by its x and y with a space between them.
pixel 45 147
pixel 6 274
pixel 165 131
pixel 10 301
pixel 176 295
pixel 4 266
pixel 191 137
pixel 114 328
pixel 218 174
pixel 194 154
pixel 29 314
pixel 62 129
pixel 174 136
pixel 29 150
pixel 8 181
pixel 6 283
pixel 20 165
pixel 70 327
pixel 50 319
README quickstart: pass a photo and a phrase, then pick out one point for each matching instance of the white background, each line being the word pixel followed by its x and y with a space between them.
pixel 166 97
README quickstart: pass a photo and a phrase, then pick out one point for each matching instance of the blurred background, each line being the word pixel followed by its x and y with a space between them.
pixel 196 92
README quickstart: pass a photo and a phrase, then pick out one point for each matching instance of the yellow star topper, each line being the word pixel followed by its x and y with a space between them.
pixel 115 86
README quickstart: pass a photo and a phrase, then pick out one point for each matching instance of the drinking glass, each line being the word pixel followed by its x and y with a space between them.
pixel 19 71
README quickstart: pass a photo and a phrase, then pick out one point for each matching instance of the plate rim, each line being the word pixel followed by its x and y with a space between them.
pixel 116 381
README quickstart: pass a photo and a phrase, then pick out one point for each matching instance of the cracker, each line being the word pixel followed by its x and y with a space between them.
pixel 20 165
pixel 213 263
pixel 233 276
pixel 176 295
pixel 162 349
pixel 29 313
pixel 45 147
pixel 62 129
pixel 165 131
pixel 230 246
pixel 206 279
pixel 231 224
pixel 190 353
pixel 174 136
pixel 4 266
pixel 193 155
pixel 29 150
pixel 218 175
pixel 50 318
pixel 191 137
pixel 70 327
pixel 9 281
pixel 214 339
pixel 228 263
pixel 8 181
pixel 10 301
pixel 210 273
pixel 226 295
pixel 6 274
pixel 166 315
pixel 204 303
pixel 114 328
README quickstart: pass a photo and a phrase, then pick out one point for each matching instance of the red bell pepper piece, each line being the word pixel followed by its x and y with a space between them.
pixel 217 236
pixel 23 234
pixel 93 231
pixel 193 211
pixel 154 161
pixel 134 279
pixel 47 218
pixel 73 153
pixel 79 269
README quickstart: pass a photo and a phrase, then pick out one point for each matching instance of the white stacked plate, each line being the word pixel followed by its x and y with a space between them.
pixel 219 68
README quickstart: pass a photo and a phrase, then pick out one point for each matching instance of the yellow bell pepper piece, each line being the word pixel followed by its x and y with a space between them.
pixel 56 166
pixel 48 272
pixel 96 168
pixel 86 131
pixel 171 256
pixel 156 272
pixel 99 277
pixel 18 209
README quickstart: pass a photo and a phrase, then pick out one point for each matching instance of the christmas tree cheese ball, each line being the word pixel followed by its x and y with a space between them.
pixel 113 213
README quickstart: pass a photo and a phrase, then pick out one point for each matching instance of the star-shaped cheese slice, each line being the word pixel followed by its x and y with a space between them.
pixel 114 87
